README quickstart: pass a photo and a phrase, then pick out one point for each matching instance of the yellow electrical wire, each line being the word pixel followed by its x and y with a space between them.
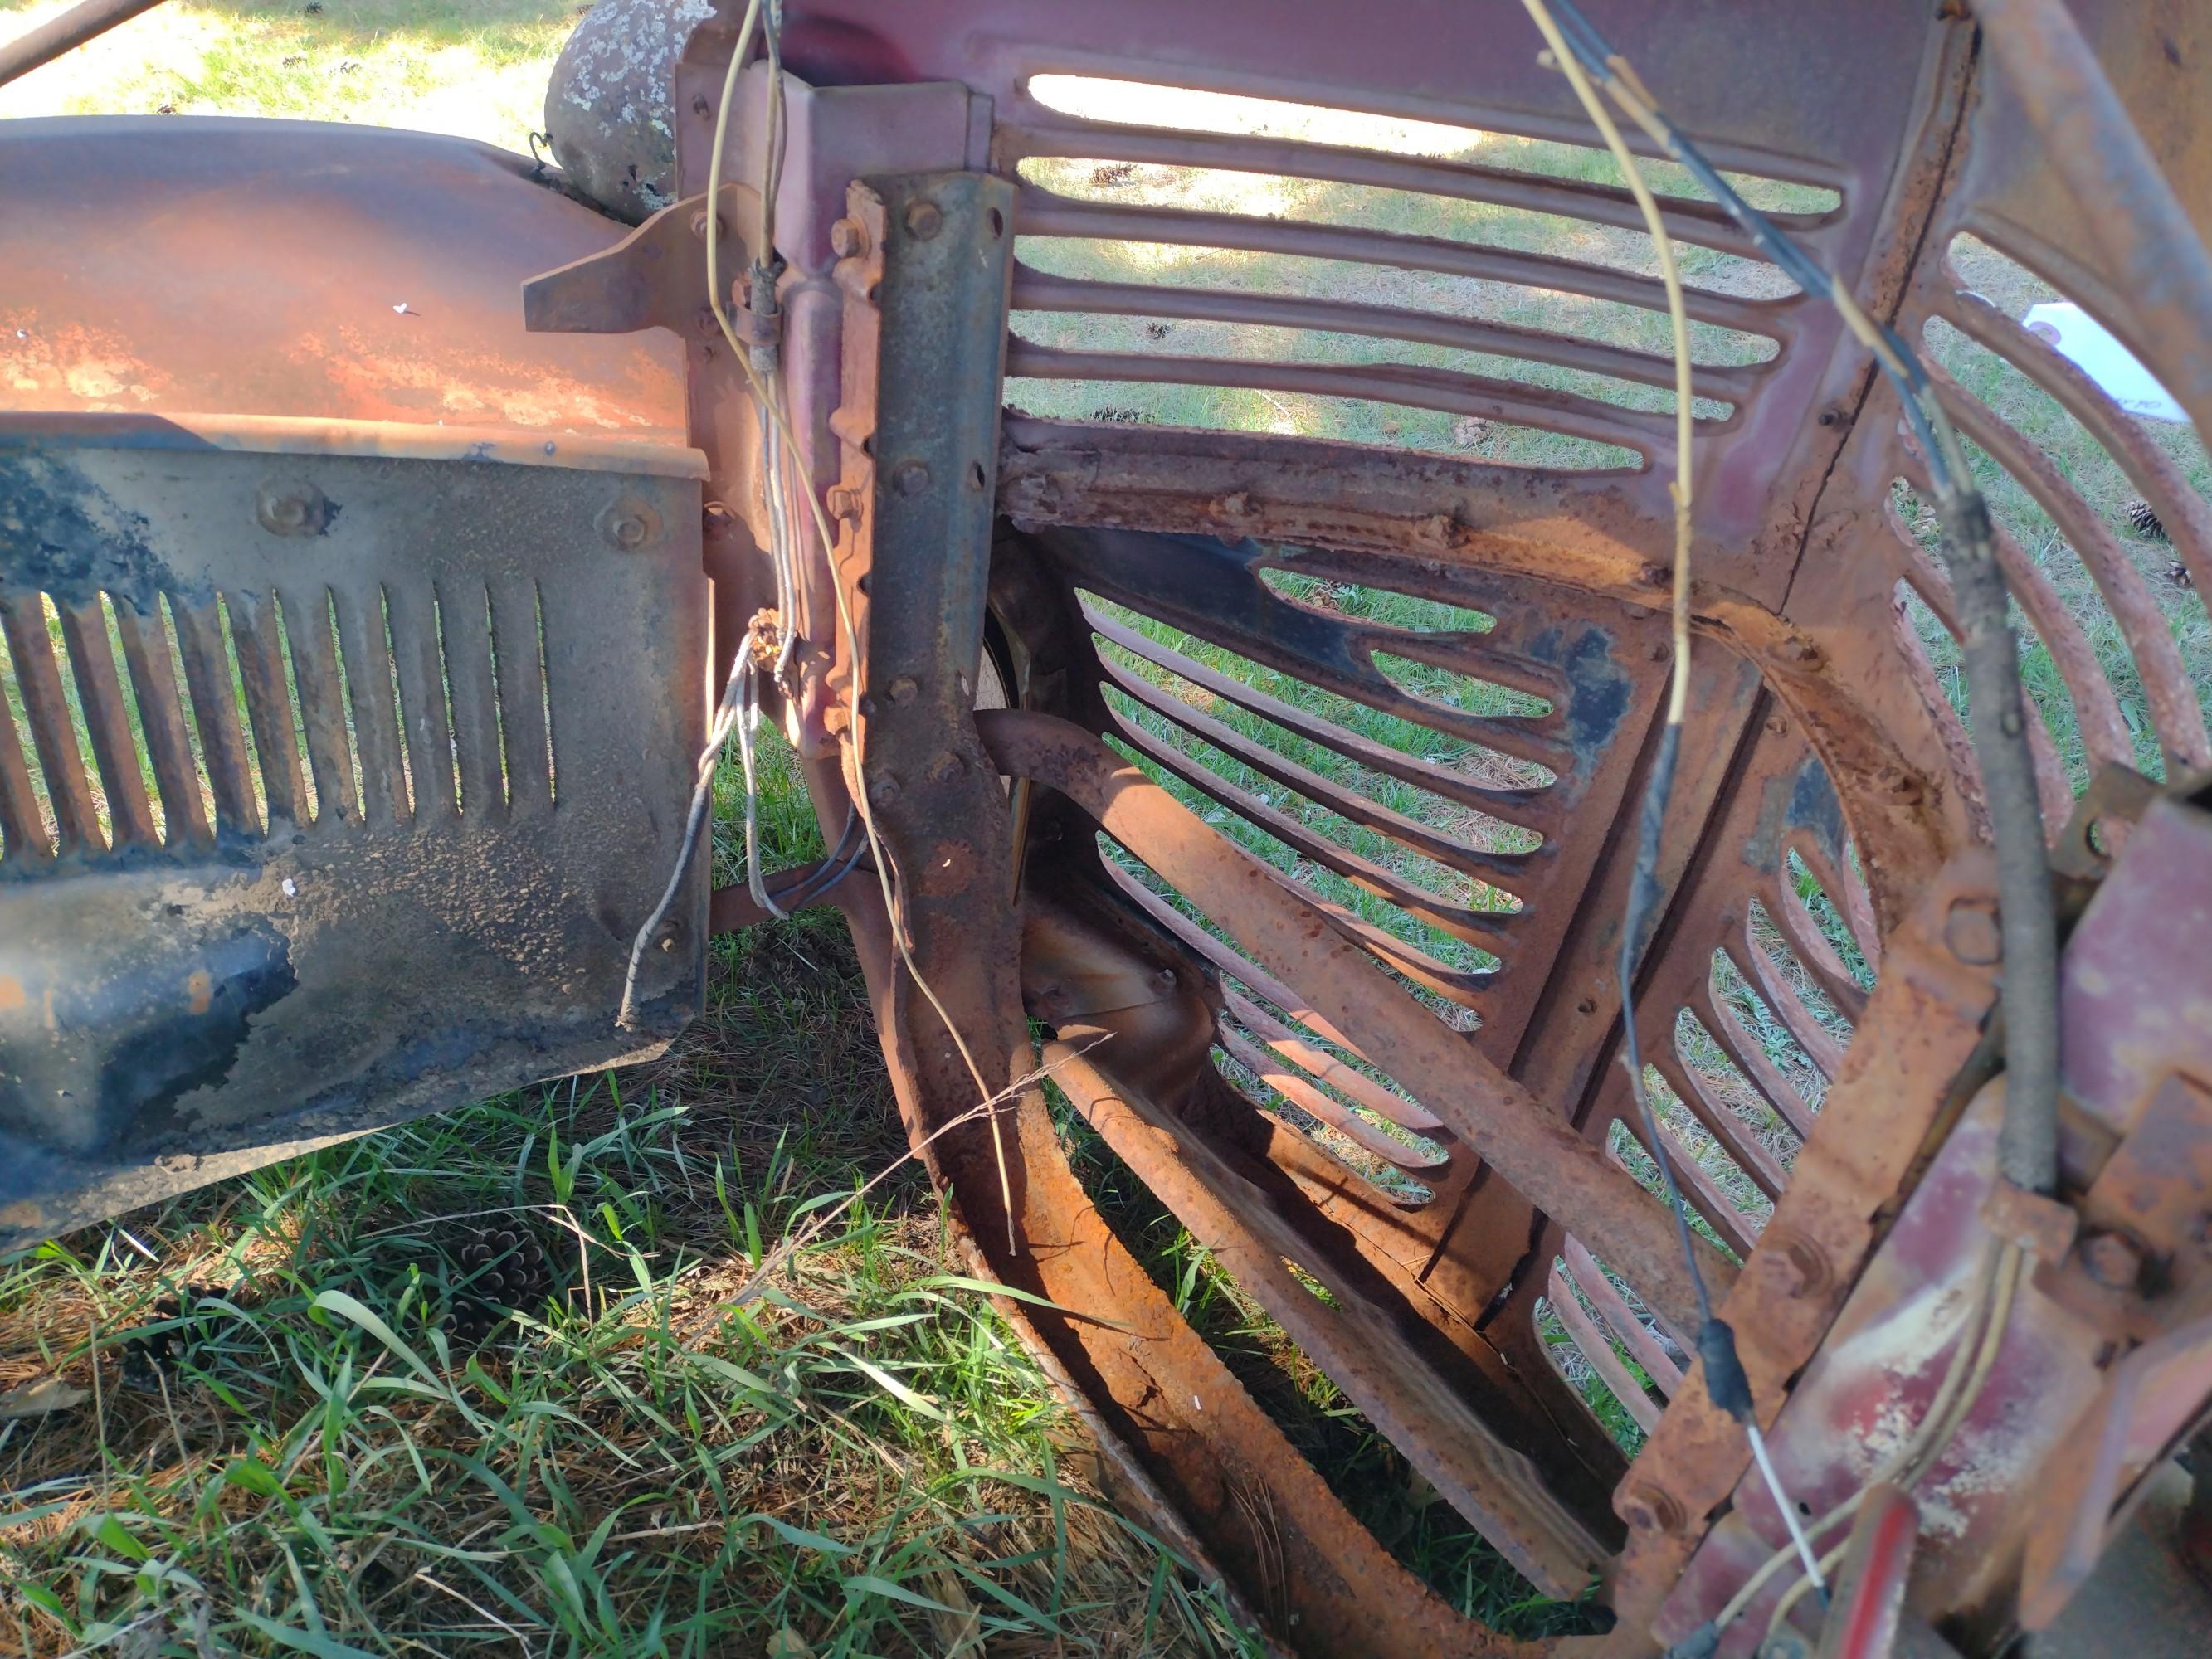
pixel 765 391
pixel 1678 694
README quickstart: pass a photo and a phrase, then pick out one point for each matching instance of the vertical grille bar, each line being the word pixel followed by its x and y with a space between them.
pixel 464 610
pixel 429 744
pixel 99 691
pixel 153 677
pixel 268 705
pixel 214 707
pixel 376 722
pixel 21 821
pixel 521 692
pixel 322 704
pixel 76 819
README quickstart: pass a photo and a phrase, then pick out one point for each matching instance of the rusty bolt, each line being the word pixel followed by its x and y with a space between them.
pixel 1805 1271
pixel 910 478
pixel 298 510
pixel 1651 1509
pixel 848 238
pixel 883 790
pixel 1972 932
pixel 2113 1260
pixel 1167 978
pixel 903 689
pixel 924 220
pixel 626 525
pixel 699 225
pixel 946 767
pixel 1777 726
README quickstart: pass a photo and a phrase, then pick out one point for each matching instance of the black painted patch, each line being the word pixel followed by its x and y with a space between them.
pixel 175 1051
pixel 60 533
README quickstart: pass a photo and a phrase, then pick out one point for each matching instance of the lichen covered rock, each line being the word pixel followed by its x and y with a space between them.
pixel 608 107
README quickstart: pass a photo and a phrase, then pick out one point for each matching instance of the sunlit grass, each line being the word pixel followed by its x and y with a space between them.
pixel 475 67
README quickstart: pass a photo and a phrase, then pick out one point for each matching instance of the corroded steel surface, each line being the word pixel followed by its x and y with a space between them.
pixel 1422 1114
pixel 241 268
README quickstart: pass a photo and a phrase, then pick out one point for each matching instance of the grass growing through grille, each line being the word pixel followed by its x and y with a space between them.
pixel 858 1457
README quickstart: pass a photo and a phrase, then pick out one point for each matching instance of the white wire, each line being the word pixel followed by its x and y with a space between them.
pixel 1789 1510
pixel 748 725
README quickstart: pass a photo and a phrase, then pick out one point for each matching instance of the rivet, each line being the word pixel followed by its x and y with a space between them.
pixel 1972 932
pixel 910 477
pixel 924 220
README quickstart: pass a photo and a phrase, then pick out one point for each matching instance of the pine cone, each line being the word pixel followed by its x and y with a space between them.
pixel 501 1266
pixel 2144 522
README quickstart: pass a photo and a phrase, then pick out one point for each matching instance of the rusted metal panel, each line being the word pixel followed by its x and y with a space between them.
pixel 272 267
pixel 177 1006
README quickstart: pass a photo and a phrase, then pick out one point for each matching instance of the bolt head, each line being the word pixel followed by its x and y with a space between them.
pixel 904 690
pixel 2113 1260
pixel 883 790
pixel 924 220
pixel 847 239
pixel 910 477
pixel 1972 932
pixel 1805 1270
pixel 627 524
pixel 292 510
pixel 1651 1509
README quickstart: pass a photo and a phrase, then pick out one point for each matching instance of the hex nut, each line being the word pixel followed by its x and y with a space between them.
pixel 848 238
pixel 924 220
pixel 910 477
